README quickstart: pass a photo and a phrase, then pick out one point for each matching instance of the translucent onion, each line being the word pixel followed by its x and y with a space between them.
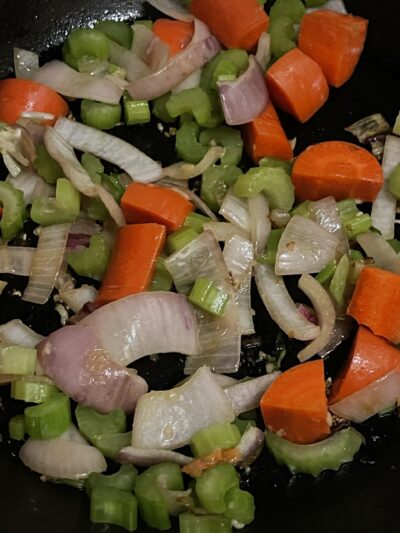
pixel 280 305
pixel 279 218
pixel 186 171
pixel 236 210
pixel 341 331
pixel 135 67
pixel 32 185
pixel 250 446
pixel 73 434
pixel 326 315
pixel 223 231
pixel 26 63
pixel 173 8
pixel 375 246
pixel 304 247
pixel 77 298
pixel 16 260
pixel 260 224
pixel 190 82
pixel 263 53
pixel 17 333
pixel 246 395
pixel 326 214
pixel 16 147
pixel 147 457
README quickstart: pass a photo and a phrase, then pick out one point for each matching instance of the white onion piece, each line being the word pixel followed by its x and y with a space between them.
pixel 250 445
pixel 169 419
pixel 85 226
pixel 173 8
pixel 221 379
pixel 304 247
pixel 147 457
pixel 190 82
pixel 37 116
pixel 280 305
pixel 11 164
pixel 62 459
pixel 246 97
pixel 26 63
pixel 260 224
pixel 32 185
pixel 143 37
pixel 36 131
pixel 138 165
pixel 68 82
pixel 157 54
pixel 201 205
pixel 47 262
pixel 279 218
pixel 16 147
pixel 263 53
pixel 125 328
pixel 331 5
pixel 341 331
pixel 236 210
pixel 135 67
pixel 186 171
pixel 77 298
pixel 17 333
pixel 369 400
pixel 16 260
pixel 73 434
pixel 375 246
pixel 246 395
pixel 223 231
pixel 326 214
pixel 111 205
pixel 326 315
pixel 219 337
pixel 383 213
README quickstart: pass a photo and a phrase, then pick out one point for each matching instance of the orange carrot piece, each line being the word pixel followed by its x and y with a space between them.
pixel 295 405
pixel 132 262
pixel 176 34
pixel 335 41
pixel 150 203
pixel 265 137
pixel 297 85
pixel 339 169
pixel 237 23
pixel 18 96
pixel 375 303
pixel 371 358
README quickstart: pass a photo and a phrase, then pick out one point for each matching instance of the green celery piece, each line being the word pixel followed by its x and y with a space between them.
pixel 117 71
pixel 276 162
pixel 240 506
pixel 119 32
pixel 92 424
pixel 49 419
pixel 32 391
pixel 96 209
pixel 17 360
pixel 72 61
pixel 315 3
pixel 16 427
pixel 347 209
pixel 93 166
pixel 68 198
pixel 394 243
pixel 110 445
pixel 162 280
pixel 274 183
pixel 93 261
pixel 326 273
pixel 135 111
pixel 74 483
pixel 194 101
pixel 99 115
pixel 243 425
pixel 394 181
pixel 213 485
pixel 271 249
pixel 46 166
pixel 217 114
pixel 187 142
pixel 356 255
pixel 338 283
pixel 396 127
pixel 196 221
pixel 113 506
pixel 218 436
pixel 294 9
pixel 112 183
pixel 44 211
pixel 206 295
pixel 227 137
pixel 283 36
pixel 193 523
pixel 361 223
pixel 87 43
pixel 328 454
pixel 180 238
pixel 13 213
pixel 225 71
pixel 239 58
pixel 302 210
pixel 215 183
pixel 124 479
pixel 160 108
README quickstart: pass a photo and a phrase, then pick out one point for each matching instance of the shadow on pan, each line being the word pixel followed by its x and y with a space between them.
pixel 362 497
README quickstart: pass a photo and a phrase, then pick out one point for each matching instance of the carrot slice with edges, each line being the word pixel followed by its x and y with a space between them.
pixel 297 85
pixel 371 358
pixel 295 405
pixel 151 203
pixel 339 169
pixel 376 301
pixel 237 23
pixel 335 41
pixel 19 96
pixel 265 137
pixel 176 34
pixel 132 262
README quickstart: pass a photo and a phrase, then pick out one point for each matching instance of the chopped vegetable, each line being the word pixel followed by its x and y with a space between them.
pixel 17 360
pixel 180 238
pixel 215 183
pixel 117 31
pixel 162 280
pixel 46 166
pixel 136 111
pixel 213 485
pixel 92 424
pixel 176 34
pixel 124 480
pixel 33 390
pixel 206 295
pixel 99 115
pixel 49 419
pixel 16 427
pixel 111 444
pixel 91 262
pixel 218 436
pixel 192 523
pixel 13 211
pixel 240 506
pixel 338 282
pixel 113 506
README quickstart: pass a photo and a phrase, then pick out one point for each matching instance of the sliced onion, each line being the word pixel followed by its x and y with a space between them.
pixel 304 247
pixel 68 82
pixel 279 218
pixel 77 298
pixel 17 333
pixel 111 205
pixel 246 395
pixel 219 336
pixel 221 379
pixel 47 262
pixel 169 419
pixel 375 246
pixel 85 226
pixel 331 5
pixel 16 147
pixel 157 54
pixel 245 98
pixel 250 446
pixel 148 457
pixel 142 40
pixel 280 305
pixel 223 231
pixel 135 67
pixel 325 312
pixel 32 185
pixel 73 434
pixel 383 213
pixel 26 63
pixel 260 224
pixel 173 8
pixel 326 214
pixel 263 53
pixel 190 82
pixel 236 210
pixel 16 260
pixel 60 458
pixel 186 171
pixel 369 400
pixel 138 165
pixel 341 331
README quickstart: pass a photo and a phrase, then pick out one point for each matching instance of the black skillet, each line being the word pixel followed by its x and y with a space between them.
pixel 363 496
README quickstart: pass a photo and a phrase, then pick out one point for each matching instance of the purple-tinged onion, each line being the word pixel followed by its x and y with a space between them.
pixel 250 446
pixel 246 395
pixel 148 457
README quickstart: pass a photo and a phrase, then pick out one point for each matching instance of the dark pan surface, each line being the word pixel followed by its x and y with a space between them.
pixel 363 496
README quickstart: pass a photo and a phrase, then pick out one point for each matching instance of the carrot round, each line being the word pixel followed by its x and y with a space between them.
pixel 18 96
pixel 132 262
pixel 176 34
pixel 150 203
pixel 376 301
pixel 295 405
pixel 339 169
pixel 335 41
pixel 265 137
pixel 297 85
pixel 237 23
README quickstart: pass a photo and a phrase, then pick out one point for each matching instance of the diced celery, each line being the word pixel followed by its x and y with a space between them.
pixel 361 223
pixel 32 391
pixel 99 115
pixel 187 142
pixel 217 436
pixel 46 166
pixel 240 506
pixel 287 8
pixel 136 111
pixel 225 71
pixel 16 427
pixel 394 181
pixel 213 485
pixel 44 211
pixel 193 523
pixel 227 137
pixel 271 249
pixel 91 262
pixel 91 423
pixel 216 181
pixel 17 360
pixel 13 211
pixel 206 295
pixel 49 419
pixel 160 108
pixel 68 198
pixel 243 424
pixel 337 286
pixel 302 210
pixel 239 58
pixel 93 166
pixel 113 506
pixel 87 43
pixel 119 32
pixel 356 255
pixel 326 273
pixel 112 183
pixel 162 280
pixel 194 101
pixel 111 444
pixel 276 162
pixel 196 221
pixel 117 71
pixel 283 36
pixel 96 209
pixel 124 479
pixel 180 238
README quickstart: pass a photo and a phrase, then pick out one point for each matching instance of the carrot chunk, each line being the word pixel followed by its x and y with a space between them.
pixel 295 405
pixel 339 169
pixel 176 34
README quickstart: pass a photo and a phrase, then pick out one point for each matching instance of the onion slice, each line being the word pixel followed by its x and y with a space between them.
pixel 135 67
pixel 77 298
pixel 17 333
pixel 236 211
pixel 245 98
pixel 246 395
pixel 173 8
pixel 16 260
pixel 326 315
pixel 260 224
pixel 250 446
pixel 26 63
pixel 223 231
pixel 32 185
pixel 263 53
pixel 280 305
pixel 186 171
pixel 375 246
pixel 326 214
pixel 147 457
